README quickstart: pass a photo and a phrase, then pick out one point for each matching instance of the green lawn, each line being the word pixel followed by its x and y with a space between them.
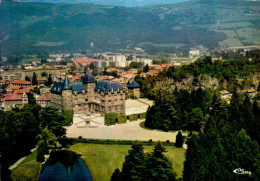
pixel 27 170
pixel 102 160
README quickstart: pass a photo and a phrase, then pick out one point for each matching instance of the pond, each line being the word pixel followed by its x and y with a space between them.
pixel 65 166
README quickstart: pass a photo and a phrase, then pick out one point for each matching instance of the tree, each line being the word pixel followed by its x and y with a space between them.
pixel 196 119
pixel 52 120
pixel 130 57
pixel 146 68
pixel 31 99
pixel 92 66
pixel 49 81
pixel 43 74
pixel 158 166
pixel 134 165
pixel 34 79
pixel 41 147
pixel 116 175
pixel 27 78
pixel 179 140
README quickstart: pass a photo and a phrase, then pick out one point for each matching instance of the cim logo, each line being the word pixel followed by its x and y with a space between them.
pixel 241 171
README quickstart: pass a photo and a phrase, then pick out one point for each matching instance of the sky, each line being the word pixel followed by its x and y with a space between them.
pixel 127 3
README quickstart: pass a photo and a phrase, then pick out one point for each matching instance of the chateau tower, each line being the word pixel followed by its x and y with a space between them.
pixel 66 94
pixel 89 82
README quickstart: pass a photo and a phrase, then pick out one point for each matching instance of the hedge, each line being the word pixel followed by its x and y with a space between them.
pixel 134 117
pixel 112 118
pixel 70 141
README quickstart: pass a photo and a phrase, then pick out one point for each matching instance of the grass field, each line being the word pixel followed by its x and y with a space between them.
pixel 27 170
pixel 102 160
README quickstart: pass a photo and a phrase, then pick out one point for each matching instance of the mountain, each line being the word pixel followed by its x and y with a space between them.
pixel 36 27
pixel 126 3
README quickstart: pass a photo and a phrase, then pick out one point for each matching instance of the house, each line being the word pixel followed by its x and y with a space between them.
pixel 251 92
pixel 225 94
pixel 14 100
pixel 21 83
pixel 44 100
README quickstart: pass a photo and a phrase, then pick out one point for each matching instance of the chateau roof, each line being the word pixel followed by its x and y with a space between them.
pixel 106 86
pixel 88 78
pixel 59 86
pixel 133 84
pixel 66 84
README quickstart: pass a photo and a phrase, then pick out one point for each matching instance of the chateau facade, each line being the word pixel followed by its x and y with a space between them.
pixel 88 96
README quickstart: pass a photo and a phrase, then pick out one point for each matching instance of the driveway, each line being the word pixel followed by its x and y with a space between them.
pixel 127 131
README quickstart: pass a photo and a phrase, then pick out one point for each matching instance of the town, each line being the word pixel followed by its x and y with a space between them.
pixel 104 90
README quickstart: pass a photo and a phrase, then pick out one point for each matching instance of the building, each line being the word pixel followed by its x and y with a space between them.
pixel 194 53
pixel 21 83
pixel 134 88
pixel 88 96
pixel 44 100
pixel 39 71
pixel 251 92
pixel 13 100
pixel 225 94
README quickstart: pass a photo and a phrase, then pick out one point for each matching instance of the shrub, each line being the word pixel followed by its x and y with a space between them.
pixel 142 116
pixel 133 117
pixel 111 118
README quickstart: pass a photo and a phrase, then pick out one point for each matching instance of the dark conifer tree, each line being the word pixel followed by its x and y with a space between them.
pixel 34 79
pixel 50 80
pixel 116 176
pixel 134 165
pixel 146 68
pixel 27 79
pixel 179 140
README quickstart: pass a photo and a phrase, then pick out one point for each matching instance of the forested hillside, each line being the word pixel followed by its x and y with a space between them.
pixel 34 27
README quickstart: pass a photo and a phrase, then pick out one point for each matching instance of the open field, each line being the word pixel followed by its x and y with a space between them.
pixel 28 169
pixel 102 160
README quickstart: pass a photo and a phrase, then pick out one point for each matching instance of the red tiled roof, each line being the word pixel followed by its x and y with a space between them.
pixel 22 82
pixel 2 99
pixel 44 97
pixel 13 97
pixel 250 91
pixel 85 60
pixel 223 92
pixel 13 88
pixel 76 77
pixel 41 79
pixel 21 91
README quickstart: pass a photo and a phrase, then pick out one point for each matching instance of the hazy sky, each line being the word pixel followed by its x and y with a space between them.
pixel 129 3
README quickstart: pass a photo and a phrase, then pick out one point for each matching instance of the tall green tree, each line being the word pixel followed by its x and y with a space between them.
pixel 179 140
pixel 158 167
pixel 146 68
pixel 51 119
pixel 34 79
pixel 27 78
pixel 134 165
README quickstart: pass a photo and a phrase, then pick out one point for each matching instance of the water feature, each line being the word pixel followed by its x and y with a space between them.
pixel 65 166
